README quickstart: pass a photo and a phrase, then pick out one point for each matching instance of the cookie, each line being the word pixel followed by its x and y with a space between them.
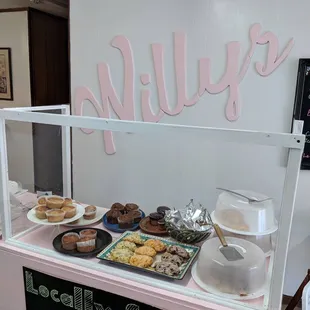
pixel 126 245
pixel 146 250
pixel 135 238
pixel 121 255
pixel 157 245
pixel 167 268
pixel 177 250
pixel 174 259
pixel 143 261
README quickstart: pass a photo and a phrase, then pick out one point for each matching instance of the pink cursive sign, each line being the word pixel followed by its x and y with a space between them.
pixel 231 79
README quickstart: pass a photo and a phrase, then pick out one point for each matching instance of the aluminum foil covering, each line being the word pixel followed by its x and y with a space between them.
pixel 193 217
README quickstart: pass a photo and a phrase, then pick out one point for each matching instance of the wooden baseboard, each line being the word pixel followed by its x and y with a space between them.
pixel 286 300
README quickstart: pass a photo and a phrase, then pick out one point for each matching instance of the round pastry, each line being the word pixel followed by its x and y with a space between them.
pixel 70 211
pixel 40 212
pixel 177 250
pixel 86 245
pixel 162 210
pixel 69 241
pixel 42 201
pixel 137 216
pixel 125 221
pixel 55 215
pixel 142 261
pixel 154 218
pixel 67 202
pixel 54 202
pixel 121 255
pixel 119 207
pixel 112 216
pixel 90 212
pixel 131 207
pixel 167 268
pixel 157 245
pixel 146 250
pixel 174 259
pixel 90 233
pixel 126 245
pixel 135 238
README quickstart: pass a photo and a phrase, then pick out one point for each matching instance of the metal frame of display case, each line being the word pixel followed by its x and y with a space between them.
pixel 293 142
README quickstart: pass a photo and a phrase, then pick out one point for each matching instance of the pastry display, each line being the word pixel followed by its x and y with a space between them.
pixel 131 207
pixel 69 210
pixel 125 221
pixel 151 254
pixel 42 201
pixel 137 216
pixel 67 202
pixel 155 217
pixel 86 245
pixel 119 207
pixel 54 202
pixel 157 245
pixel 69 241
pixel 90 212
pixel 112 216
pixel 41 212
pixel 55 215
pixel 142 261
pixel 162 210
pixel 89 233
pixel 146 250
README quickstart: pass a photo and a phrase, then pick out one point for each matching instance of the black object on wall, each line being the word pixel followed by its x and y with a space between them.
pixel 46 292
pixel 302 107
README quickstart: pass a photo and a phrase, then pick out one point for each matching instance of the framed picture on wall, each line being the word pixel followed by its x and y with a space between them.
pixel 6 84
pixel 302 106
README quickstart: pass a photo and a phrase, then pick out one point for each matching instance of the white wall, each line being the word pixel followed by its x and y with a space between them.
pixel 156 170
pixel 14 34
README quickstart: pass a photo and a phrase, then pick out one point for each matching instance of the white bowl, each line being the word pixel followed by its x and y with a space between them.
pixel 238 215
pixel 241 277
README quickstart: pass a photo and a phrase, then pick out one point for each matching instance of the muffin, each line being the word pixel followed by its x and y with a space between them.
pixel 55 215
pixel 89 233
pixel 131 207
pixel 86 245
pixel 40 212
pixel 70 211
pixel 162 210
pixel 119 207
pixel 90 212
pixel 67 202
pixel 69 241
pixel 137 216
pixel 54 202
pixel 125 221
pixel 155 217
pixel 112 216
pixel 42 201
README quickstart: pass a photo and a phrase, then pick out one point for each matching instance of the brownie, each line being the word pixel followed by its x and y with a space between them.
pixel 119 207
pixel 155 217
pixel 112 216
pixel 131 207
pixel 125 221
pixel 162 210
pixel 136 216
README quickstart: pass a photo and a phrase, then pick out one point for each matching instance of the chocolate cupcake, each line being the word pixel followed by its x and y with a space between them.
pixel 137 216
pixel 162 210
pixel 119 207
pixel 131 207
pixel 155 217
pixel 125 221
pixel 112 216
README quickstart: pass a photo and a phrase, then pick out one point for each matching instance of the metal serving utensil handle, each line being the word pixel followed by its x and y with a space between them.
pixel 220 234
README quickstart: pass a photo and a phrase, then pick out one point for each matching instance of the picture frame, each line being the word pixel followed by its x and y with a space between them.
pixel 302 107
pixel 6 81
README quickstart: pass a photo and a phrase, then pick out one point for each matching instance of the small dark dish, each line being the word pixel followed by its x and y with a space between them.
pixel 103 239
pixel 147 227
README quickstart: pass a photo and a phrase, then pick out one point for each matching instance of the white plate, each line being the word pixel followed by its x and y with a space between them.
pixel 80 210
pixel 83 222
pixel 214 291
